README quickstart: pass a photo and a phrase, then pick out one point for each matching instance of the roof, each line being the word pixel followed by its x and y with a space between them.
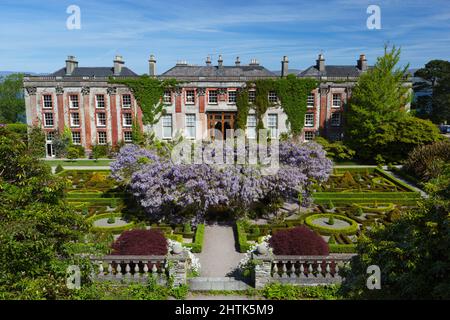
pixel 180 71
pixel 93 71
pixel 332 71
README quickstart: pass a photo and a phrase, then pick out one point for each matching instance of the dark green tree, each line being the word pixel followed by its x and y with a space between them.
pixel 12 103
pixel 36 227
pixel 376 119
pixel 436 75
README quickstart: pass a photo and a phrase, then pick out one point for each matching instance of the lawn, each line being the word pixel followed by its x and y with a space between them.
pixel 80 162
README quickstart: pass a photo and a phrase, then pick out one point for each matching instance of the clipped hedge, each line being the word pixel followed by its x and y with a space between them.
pixel 197 245
pixel 244 246
pixel 342 248
pixel 387 176
pixel 117 229
pixel 367 207
pixel 352 229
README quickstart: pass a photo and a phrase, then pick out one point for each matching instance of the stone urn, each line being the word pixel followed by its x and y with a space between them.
pixel 261 249
pixel 177 248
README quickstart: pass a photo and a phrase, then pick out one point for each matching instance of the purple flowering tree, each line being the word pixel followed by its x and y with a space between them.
pixel 187 191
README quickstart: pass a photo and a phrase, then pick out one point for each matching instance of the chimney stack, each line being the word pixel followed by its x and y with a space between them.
pixel 208 61
pixel 71 64
pixel 254 62
pixel 152 66
pixel 320 63
pixel 362 62
pixel 284 66
pixel 237 62
pixel 220 61
pixel 118 64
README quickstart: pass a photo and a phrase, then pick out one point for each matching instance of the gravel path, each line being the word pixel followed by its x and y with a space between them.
pixel 219 257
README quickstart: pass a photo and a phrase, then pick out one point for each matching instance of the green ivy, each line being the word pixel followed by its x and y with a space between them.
pixel 148 92
pixel 292 93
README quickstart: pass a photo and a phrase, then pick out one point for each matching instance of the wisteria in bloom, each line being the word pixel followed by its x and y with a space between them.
pixel 187 191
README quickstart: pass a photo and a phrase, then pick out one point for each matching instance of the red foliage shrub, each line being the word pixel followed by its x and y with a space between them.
pixel 298 241
pixel 140 242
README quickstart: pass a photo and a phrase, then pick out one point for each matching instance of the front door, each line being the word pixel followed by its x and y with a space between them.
pixel 221 121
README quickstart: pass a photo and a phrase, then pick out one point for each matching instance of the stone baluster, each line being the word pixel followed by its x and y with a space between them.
pixel 310 269
pixel 275 269
pixel 327 270
pixel 110 269
pixel 127 270
pixel 302 270
pixel 319 268
pixel 100 269
pixel 145 269
pixel 284 269
pixel 292 269
pixel 163 267
pixel 136 270
pixel 154 269
pixel 119 270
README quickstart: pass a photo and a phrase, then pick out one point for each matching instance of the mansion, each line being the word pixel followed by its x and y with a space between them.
pixel 97 112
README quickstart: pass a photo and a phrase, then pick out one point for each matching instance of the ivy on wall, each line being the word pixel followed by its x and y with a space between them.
pixel 148 92
pixel 292 93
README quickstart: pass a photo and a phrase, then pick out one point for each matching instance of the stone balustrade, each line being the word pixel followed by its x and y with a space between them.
pixel 302 270
pixel 140 268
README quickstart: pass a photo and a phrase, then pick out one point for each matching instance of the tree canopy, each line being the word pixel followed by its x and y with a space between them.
pixel 377 125
pixel 12 104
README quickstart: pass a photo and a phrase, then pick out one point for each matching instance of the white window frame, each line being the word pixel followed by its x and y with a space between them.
pixel 167 122
pixel 99 123
pixel 44 105
pixel 272 97
pixel 312 97
pixel 336 122
pixel 335 100
pixel 272 126
pixel 215 96
pixel 49 136
pixel 78 140
pixel 46 120
pixel 251 96
pixel 125 134
pixel 167 97
pixel 100 136
pixel 126 105
pixel 191 126
pixel 251 126
pixel 190 99
pixel 72 119
pixel 307 133
pixel 72 101
pixel 127 116
pixel 97 102
pixel 309 122
pixel 234 94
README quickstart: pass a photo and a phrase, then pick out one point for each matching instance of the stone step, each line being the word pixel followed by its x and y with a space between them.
pixel 217 283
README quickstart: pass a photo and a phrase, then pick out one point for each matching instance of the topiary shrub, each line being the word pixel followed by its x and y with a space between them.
pixel 331 220
pixel 359 212
pixel 140 242
pixel 59 168
pixel 298 241
pixel 187 227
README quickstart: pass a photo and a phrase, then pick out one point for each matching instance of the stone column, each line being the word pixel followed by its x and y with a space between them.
pixel 112 91
pixel 263 268
pixel 60 107
pixel 178 269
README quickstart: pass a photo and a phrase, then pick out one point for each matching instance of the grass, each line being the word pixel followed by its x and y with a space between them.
pixel 79 162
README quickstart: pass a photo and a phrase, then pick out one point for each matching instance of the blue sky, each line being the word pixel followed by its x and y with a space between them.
pixel 34 37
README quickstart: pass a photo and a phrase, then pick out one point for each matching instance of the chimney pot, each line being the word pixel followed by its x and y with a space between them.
pixel 320 63
pixel 118 64
pixel 71 64
pixel 362 62
pixel 220 61
pixel 284 66
pixel 208 60
pixel 237 62
pixel 152 66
